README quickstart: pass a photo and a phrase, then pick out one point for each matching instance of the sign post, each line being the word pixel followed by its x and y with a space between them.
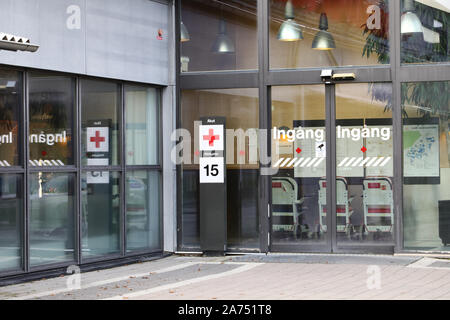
pixel 213 192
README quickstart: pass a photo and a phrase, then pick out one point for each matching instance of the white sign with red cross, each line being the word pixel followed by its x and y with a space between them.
pixel 211 138
pixel 97 139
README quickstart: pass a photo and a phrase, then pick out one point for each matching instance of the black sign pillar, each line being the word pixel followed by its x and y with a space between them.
pixel 213 191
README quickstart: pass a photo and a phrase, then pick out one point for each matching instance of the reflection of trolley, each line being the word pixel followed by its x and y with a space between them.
pixel 285 214
pixel 378 206
pixel 343 212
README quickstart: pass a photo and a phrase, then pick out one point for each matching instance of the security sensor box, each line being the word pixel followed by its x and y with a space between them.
pixel 326 75
pixel 344 76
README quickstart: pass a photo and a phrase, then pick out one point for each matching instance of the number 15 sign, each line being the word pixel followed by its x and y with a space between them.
pixel 211 170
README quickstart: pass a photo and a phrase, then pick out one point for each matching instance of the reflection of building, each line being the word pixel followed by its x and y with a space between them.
pixel 86 126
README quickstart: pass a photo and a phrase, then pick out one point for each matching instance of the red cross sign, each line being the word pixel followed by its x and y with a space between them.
pixel 211 137
pixel 97 139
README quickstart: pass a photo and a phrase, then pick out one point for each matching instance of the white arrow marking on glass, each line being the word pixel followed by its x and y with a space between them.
pixel 55 163
pixel 312 162
pixel 305 162
pixel 298 162
pixel 385 162
pixel 319 162
pixel 357 162
pixel 7 163
pixel 278 163
pixel 60 162
pixel 376 164
pixel 343 162
pixel 1 164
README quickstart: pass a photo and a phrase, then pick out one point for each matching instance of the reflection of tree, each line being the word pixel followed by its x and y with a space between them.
pixel 429 98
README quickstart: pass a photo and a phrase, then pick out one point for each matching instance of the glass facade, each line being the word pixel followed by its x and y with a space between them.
pixel 143 218
pixel 100 123
pixel 52 218
pixel 11 226
pixel 426 170
pixel 55 210
pixel 425 31
pixel 298 205
pixel 337 101
pixel 10 116
pixel 335 33
pixel 364 164
pixel 142 125
pixel 240 109
pixel 228 43
pixel 52 109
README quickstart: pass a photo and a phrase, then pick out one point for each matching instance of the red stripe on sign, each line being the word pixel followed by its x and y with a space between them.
pixel 276 185
pixel 379 210
pixel 374 185
pixel 324 184
pixel 340 209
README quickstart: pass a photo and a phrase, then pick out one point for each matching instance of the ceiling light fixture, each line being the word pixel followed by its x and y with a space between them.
pixel 290 30
pixel 410 21
pixel 184 33
pixel 323 39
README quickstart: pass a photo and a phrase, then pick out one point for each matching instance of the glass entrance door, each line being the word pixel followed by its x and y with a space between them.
pixel 299 202
pixel 332 151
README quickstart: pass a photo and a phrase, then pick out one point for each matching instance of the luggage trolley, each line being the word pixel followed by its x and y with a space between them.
pixel 343 211
pixel 378 206
pixel 285 214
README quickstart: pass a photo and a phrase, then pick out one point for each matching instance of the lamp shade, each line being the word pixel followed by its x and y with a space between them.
pixel 323 39
pixel 290 31
pixel 223 43
pixel 411 23
pixel 184 34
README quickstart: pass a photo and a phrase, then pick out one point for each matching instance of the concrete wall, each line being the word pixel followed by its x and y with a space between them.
pixel 106 38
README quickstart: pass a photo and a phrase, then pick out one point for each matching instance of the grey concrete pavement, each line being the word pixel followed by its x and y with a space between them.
pixel 255 277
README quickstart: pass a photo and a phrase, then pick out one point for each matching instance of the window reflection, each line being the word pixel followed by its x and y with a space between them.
pixel 240 109
pixel 228 43
pixel 51 120
pixel 52 218
pixel 100 123
pixel 143 213
pixel 10 111
pixel 11 213
pixel 100 214
pixel 426 154
pixel 425 31
pixel 307 33
pixel 142 127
